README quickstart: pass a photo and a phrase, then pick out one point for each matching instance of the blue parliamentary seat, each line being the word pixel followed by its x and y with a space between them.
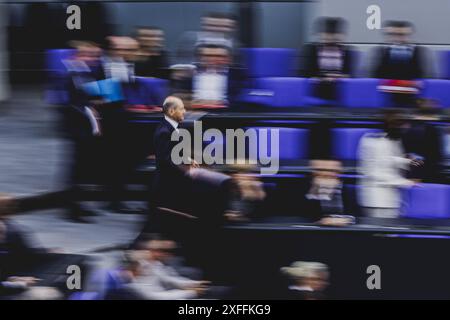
pixel 426 201
pixel 361 93
pixel 269 62
pixel 279 92
pixel 147 91
pixel 444 64
pixel 437 89
pixel 57 75
pixel 345 142
pixel 54 59
pixel 293 143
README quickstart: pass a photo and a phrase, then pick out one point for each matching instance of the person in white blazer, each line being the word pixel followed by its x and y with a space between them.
pixel 382 164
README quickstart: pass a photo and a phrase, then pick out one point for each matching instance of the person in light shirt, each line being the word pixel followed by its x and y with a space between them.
pixel 383 164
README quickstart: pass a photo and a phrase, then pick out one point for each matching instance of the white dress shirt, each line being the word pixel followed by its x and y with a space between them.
pixel 162 282
pixel 118 69
pixel 172 122
pixel 210 86
pixel 381 162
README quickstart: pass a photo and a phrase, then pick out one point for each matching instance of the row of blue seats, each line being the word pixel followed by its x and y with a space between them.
pixel 295 142
pixel 272 84
pixel 423 201
pixel 352 93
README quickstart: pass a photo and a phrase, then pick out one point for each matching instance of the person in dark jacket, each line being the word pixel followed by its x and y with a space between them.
pixel 153 60
pixel 400 60
pixel 328 60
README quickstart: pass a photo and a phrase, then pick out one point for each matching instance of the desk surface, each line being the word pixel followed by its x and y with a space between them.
pixel 408 228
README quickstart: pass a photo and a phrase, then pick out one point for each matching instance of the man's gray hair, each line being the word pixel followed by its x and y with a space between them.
pixel 169 103
pixel 304 269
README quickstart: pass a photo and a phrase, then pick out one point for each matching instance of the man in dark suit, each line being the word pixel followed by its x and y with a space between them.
pixel 153 59
pixel 328 60
pixel 216 80
pixel 80 122
pixel 170 179
pixel 400 59
pixel 118 160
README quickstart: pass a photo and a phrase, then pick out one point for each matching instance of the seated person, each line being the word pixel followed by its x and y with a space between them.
pixel 400 60
pixel 383 164
pixel 309 280
pixel 153 60
pixel 423 139
pixel 215 82
pixel 157 280
pixel 325 193
pixel 328 60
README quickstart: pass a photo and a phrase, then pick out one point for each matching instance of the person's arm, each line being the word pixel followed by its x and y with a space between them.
pixel 163 153
pixel 372 164
pixel 169 276
pixel 150 292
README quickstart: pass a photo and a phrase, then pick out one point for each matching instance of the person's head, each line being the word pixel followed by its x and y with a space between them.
pixel 326 169
pixel 150 39
pixel 86 51
pixel 314 275
pixel 393 124
pixel 173 107
pixel 219 22
pixel 398 32
pixel 213 56
pixel 122 47
pixel 331 30
pixel 159 249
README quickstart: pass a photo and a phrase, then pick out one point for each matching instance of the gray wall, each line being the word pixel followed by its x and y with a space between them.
pixel 174 18
pixel 285 24
pixel 431 17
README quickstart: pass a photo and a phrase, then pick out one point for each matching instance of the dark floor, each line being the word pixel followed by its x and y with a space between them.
pixel 32 161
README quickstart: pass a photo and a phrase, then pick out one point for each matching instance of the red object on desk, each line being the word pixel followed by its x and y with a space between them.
pixel 399 86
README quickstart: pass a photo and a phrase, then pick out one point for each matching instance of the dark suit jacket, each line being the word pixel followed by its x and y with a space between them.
pixel 154 66
pixel 387 68
pixel 169 178
pixel 311 65
pixel 426 140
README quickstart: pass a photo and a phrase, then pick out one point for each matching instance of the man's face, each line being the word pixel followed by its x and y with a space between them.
pixel 125 48
pixel 163 251
pixel 89 54
pixel 177 113
pixel 331 38
pixel 214 57
pixel 318 282
pixel 398 35
pixel 151 39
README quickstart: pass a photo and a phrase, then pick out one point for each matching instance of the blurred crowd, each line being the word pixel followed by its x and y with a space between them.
pixel 208 74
